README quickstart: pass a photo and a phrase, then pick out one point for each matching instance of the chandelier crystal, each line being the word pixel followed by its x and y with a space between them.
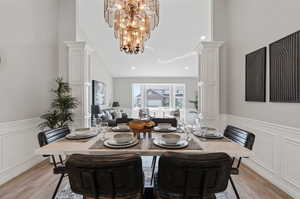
pixel 133 21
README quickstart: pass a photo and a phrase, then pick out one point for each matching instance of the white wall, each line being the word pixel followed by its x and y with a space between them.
pixel 123 92
pixel 67 27
pixel 88 26
pixel 101 73
pixel 29 53
pixel 250 26
pixel 28 49
pixel 220 33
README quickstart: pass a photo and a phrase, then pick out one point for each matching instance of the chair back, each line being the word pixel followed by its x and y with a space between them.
pixel 172 121
pixel 110 177
pixel 240 136
pixel 46 137
pixel 183 176
pixel 123 120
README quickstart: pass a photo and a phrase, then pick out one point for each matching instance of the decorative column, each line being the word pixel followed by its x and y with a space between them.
pixel 209 81
pixel 79 78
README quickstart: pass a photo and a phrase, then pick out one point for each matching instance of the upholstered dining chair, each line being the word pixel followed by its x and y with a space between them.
pixel 245 139
pixel 46 137
pixel 183 176
pixel 123 120
pixel 106 176
pixel 172 121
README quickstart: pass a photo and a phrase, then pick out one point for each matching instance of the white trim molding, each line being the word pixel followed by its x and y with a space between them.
pixel 18 142
pixel 79 77
pixel 276 151
pixel 209 78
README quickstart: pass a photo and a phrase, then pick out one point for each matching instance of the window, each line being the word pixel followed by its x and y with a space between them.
pixel 158 96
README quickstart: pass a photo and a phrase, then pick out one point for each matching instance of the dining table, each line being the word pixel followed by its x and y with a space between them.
pixel 145 147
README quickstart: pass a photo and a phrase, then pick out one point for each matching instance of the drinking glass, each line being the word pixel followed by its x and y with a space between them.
pixel 103 127
pixel 187 132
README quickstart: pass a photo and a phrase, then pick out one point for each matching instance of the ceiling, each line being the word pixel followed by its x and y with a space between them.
pixel 169 52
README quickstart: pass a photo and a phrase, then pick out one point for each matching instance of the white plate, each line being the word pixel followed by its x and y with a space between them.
pixel 73 136
pixel 209 136
pixel 118 129
pixel 170 129
pixel 106 143
pixel 180 145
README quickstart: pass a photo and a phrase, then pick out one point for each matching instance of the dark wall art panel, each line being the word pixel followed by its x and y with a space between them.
pixel 256 76
pixel 285 69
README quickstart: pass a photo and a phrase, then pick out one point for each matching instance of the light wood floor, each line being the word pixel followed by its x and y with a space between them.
pixel 39 183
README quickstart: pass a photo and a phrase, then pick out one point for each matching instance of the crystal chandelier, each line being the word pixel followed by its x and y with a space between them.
pixel 133 21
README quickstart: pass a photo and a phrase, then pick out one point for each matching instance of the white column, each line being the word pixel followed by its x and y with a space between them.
pixel 79 78
pixel 209 81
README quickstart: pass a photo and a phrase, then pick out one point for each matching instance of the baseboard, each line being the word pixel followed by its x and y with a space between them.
pixel 274 152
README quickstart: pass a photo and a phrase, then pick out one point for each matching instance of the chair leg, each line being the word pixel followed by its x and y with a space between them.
pixel 153 169
pixel 234 188
pixel 57 186
pixel 153 161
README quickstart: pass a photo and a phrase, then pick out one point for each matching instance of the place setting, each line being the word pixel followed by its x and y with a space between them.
pixel 122 127
pixel 209 134
pixel 121 141
pixel 170 141
pixel 116 141
pixel 174 141
pixel 82 134
pixel 164 128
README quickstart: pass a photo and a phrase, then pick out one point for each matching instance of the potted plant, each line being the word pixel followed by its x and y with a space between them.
pixel 195 102
pixel 60 115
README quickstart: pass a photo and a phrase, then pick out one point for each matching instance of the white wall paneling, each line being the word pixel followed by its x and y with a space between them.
pixel 276 152
pixel 208 85
pixel 18 141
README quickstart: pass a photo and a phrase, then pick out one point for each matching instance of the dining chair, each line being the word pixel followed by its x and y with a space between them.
pixel 243 138
pixel 47 137
pixel 118 176
pixel 123 120
pixel 185 176
pixel 172 121
pixel 144 112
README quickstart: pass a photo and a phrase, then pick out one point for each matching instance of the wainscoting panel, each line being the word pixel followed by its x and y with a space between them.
pixel 291 163
pixel 1 153
pixel 18 141
pixel 276 152
pixel 264 150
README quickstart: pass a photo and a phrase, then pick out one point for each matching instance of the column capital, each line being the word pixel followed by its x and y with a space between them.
pixel 75 44
pixel 208 45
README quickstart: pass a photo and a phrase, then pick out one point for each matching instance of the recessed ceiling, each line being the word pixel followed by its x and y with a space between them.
pixel 169 52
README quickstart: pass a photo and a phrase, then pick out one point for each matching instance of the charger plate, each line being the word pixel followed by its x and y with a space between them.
pixel 113 142
pixel 73 136
pixel 118 129
pixel 164 130
pixel 181 144
pixel 107 144
pixel 210 136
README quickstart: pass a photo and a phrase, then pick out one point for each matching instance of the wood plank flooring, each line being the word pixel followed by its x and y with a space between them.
pixel 39 183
